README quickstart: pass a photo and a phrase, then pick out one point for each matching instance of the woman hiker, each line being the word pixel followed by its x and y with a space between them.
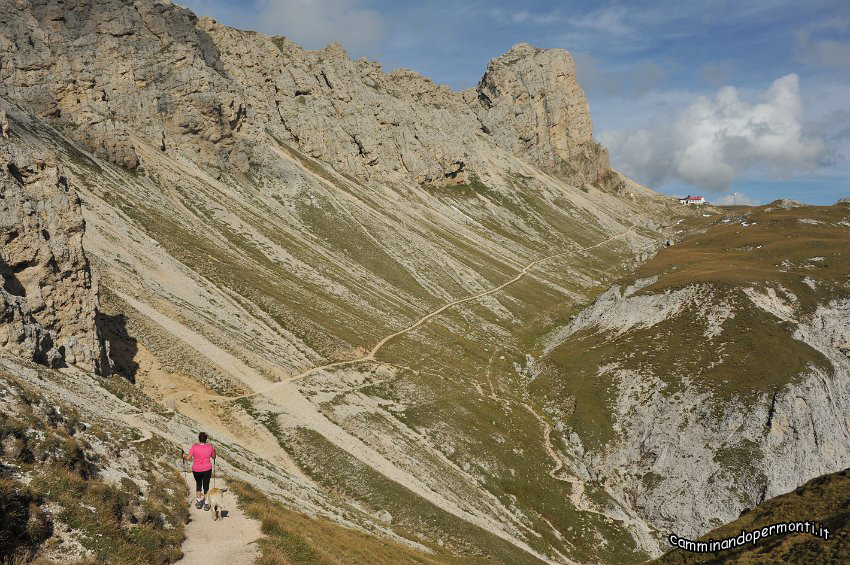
pixel 200 455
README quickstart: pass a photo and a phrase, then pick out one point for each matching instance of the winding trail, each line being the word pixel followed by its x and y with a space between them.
pixel 370 357
pixel 577 497
pixel 639 527
pixel 577 491
pixel 524 271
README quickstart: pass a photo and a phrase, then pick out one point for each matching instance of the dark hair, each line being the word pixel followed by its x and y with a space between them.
pixel 202 437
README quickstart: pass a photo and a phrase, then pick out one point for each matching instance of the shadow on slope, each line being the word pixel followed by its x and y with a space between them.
pixel 824 500
pixel 122 346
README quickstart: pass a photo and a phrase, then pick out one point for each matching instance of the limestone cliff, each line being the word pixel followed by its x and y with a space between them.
pixel 530 102
pixel 115 73
pixel 48 302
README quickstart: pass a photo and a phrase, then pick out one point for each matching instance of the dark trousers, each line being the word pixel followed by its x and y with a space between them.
pixel 202 478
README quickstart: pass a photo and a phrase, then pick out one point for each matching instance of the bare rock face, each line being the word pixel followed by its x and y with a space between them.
pixel 114 74
pixel 4 124
pixel 396 126
pixel 531 104
pixel 48 302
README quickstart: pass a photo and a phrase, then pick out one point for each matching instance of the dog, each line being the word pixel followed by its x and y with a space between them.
pixel 214 498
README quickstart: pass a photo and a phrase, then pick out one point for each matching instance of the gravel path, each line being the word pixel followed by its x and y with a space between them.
pixel 229 541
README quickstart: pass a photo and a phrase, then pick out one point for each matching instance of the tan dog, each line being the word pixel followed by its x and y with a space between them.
pixel 214 498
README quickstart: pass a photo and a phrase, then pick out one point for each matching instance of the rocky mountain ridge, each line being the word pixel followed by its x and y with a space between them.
pixel 336 271
pixel 191 86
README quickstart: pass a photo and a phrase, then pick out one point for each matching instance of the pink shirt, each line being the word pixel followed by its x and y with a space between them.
pixel 201 453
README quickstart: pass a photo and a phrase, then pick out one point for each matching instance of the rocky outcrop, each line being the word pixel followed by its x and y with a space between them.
pixel 748 447
pixel 115 74
pixel 784 204
pixel 396 126
pixel 530 102
pixel 4 124
pixel 112 74
pixel 48 302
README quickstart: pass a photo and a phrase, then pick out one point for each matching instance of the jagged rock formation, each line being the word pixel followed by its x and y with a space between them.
pixel 744 455
pixel 531 104
pixel 101 71
pixel 154 72
pixel 48 302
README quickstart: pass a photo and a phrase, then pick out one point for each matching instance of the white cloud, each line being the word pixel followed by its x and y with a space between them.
pixel 736 198
pixel 714 140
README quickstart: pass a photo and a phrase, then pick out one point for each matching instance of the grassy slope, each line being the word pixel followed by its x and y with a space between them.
pixel 292 537
pixel 755 353
pixel 825 500
pixel 46 442
pixel 501 440
pixel 730 252
pixel 455 347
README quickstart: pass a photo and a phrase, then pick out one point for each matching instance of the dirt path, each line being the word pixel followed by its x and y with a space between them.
pixel 577 497
pixel 524 271
pixel 577 491
pixel 257 383
pixel 370 357
pixel 629 519
pixel 134 421
pixel 230 541
pixel 285 394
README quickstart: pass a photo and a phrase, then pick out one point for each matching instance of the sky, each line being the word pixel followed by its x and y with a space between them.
pixel 709 97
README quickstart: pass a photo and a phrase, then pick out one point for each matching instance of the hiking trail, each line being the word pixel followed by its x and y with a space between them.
pixel 229 541
pixel 370 357
pixel 225 542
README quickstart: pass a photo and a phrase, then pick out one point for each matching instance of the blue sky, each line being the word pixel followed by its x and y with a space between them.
pixel 700 97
